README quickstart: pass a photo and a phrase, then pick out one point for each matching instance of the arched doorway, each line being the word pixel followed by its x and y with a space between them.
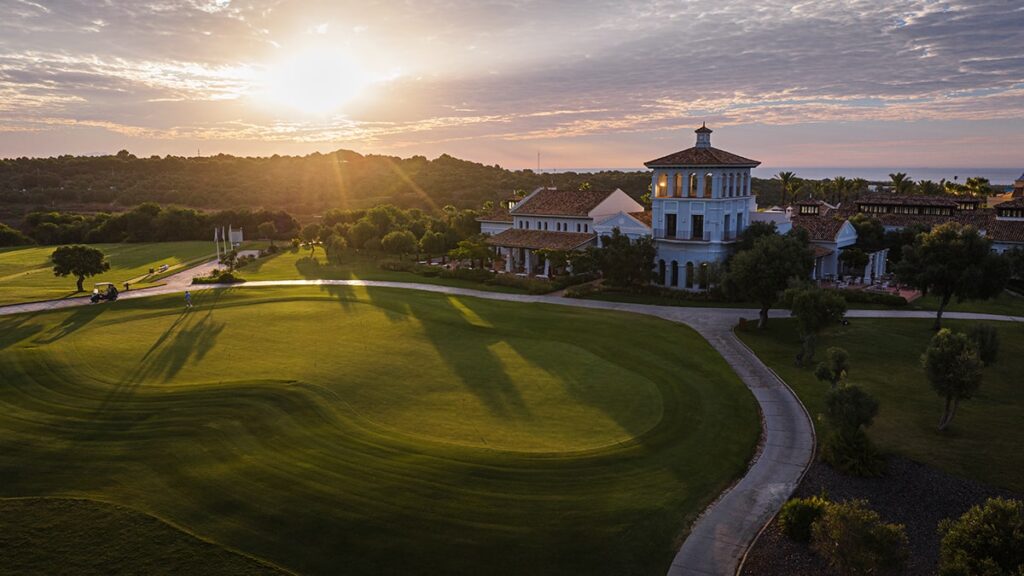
pixel 689 274
pixel 675 273
pixel 704 276
pixel 661 272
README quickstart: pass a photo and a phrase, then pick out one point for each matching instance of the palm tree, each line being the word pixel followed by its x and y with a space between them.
pixel 860 186
pixel 786 179
pixel 900 182
pixel 839 186
pixel 929 188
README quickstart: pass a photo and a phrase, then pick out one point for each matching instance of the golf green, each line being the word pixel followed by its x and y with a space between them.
pixel 367 431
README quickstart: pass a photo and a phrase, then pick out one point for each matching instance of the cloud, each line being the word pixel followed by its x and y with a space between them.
pixel 511 71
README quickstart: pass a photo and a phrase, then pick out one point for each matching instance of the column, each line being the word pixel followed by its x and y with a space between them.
pixel 528 265
pixel 508 259
pixel 547 267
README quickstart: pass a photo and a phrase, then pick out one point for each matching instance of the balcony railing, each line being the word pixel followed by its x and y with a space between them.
pixel 663 234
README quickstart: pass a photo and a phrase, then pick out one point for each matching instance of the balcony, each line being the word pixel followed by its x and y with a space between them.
pixel 662 234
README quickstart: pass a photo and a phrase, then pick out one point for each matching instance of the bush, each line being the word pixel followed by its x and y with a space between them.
pixel 402 266
pixel 582 291
pixel 854 540
pixel 218 277
pixel 848 408
pixel 852 453
pixel 986 541
pixel 11 237
pixel 866 297
pixel 797 516
pixel 986 340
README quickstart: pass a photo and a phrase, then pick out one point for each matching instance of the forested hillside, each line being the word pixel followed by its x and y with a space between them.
pixel 301 185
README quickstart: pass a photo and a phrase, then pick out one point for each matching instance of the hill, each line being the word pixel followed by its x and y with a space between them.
pixel 299 184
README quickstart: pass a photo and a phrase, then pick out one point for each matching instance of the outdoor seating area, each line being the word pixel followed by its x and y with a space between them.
pixel 885 284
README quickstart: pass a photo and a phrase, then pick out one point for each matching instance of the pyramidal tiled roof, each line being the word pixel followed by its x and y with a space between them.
pixel 702 156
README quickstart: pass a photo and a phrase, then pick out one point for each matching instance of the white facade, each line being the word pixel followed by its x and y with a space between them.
pixel 700 204
pixel 627 224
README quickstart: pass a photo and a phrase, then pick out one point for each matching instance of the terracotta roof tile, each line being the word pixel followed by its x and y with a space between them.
pixel 708 156
pixel 821 227
pixel 538 239
pixel 644 216
pixel 551 202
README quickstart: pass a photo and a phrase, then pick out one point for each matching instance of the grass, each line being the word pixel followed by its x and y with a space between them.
pixel 984 440
pixel 299 264
pixel 372 431
pixel 1007 303
pixel 26 274
pixel 48 536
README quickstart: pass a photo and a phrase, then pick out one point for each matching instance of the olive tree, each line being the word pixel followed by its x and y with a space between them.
pixel 763 272
pixel 953 368
pixel 78 261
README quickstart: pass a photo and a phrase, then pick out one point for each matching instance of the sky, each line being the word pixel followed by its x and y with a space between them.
pixel 590 84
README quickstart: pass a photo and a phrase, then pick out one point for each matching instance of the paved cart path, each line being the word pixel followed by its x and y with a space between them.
pixel 722 534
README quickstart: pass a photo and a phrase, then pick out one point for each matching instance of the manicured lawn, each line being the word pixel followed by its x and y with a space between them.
pixel 47 536
pixel 1006 303
pixel 26 274
pixel 985 439
pixel 292 265
pixel 371 431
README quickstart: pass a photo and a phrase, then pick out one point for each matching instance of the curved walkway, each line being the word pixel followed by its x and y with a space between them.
pixel 721 536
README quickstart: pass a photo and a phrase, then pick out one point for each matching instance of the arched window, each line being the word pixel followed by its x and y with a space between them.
pixel 708 180
pixel 662 185
pixel 678 190
pixel 704 276
pixel 661 272
pixel 744 184
pixel 732 184
pixel 692 191
pixel 675 273
pixel 689 274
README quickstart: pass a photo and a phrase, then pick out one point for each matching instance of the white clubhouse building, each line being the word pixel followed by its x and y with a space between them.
pixel 701 201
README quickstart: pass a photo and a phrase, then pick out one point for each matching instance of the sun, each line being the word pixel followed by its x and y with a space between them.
pixel 313 81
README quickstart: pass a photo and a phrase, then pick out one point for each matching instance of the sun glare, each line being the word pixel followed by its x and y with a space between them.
pixel 317 81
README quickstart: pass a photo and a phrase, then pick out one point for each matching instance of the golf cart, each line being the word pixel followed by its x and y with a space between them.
pixel 103 291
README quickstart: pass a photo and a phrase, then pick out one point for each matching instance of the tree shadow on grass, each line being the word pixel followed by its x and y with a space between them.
pixel 17 329
pixel 73 322
pixel 472 360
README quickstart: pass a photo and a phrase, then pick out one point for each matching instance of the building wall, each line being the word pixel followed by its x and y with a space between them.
pixel 492 228
pixel 554 223
pixel 626 225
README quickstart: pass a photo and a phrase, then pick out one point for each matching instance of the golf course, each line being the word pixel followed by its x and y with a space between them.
pixel 354 430
pixel 26 273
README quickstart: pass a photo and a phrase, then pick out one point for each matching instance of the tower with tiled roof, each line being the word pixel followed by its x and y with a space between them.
pixel 1018 187
pixel 700 201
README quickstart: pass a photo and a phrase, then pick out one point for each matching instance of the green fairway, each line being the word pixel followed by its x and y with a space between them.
pixel 292 265
pixel 26 274
pixel 56 536
pixel 369 431
pixel 984 441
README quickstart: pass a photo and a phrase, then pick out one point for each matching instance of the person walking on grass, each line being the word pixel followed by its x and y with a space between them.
pixel 188 299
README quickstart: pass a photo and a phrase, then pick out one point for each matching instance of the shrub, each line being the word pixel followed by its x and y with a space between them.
pixel 986 541
pixel 854 540
pixel 403 266
pixel 852 453
pixel 581 291
pixel 218 277
pixel 11 237
pixel 986 340
pixel 866 297
pixel 797 516
pixel 848 408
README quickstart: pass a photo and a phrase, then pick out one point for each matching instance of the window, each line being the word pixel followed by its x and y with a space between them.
pixel 725 229
pixel 732 186
pixel 678 190
pixel 577 226
pixel 586 227
pixel 527 224
pixel 675 273
pixel 661 272
pixel 545 225
pixel 689 274
pixel 708 180
pixel 692 193
pixel 697 227
pixel 809 209
pixel 662 185
pixel 670 225
pixel 704 276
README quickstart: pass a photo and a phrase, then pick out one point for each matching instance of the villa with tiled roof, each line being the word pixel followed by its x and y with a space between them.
pixel 551 219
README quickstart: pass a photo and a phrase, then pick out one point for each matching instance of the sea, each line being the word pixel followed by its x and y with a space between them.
pixel 997 176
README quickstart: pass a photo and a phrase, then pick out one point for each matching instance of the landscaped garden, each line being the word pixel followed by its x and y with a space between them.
pixel 26 273
pixel 982 443
pixel 365 431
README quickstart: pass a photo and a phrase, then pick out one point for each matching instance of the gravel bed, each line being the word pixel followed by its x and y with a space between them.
pixel 911 494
